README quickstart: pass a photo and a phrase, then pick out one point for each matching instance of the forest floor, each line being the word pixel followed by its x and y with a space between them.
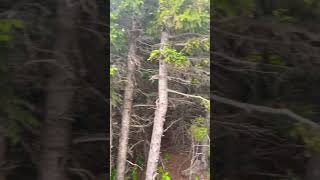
pixel 175 162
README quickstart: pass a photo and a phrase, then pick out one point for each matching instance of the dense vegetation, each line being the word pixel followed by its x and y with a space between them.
pixel 165 85
pixel 264 89
pixel 266 53
pixel 53 90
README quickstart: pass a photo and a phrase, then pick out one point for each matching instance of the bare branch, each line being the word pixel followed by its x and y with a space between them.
pixel 188 35
pixel 134 164
pixel 87 139
pixel 188 95
pixel 264 109
pixel 172 123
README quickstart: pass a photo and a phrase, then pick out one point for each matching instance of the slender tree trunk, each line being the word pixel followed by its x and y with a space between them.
pixel 160 114
pixel 127 106
pixel 60 90
pixel 313 167
pixel 206 144
pixel 3 148
pixel 111 136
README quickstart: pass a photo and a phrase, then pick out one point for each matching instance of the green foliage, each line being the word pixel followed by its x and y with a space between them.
pixel 125 8
pixel 6 26
pixel 235 7
pixel 196 46
pixel 134 173
pixel 140 160
pixel 182 15
pixel 163 173
pixel 117 37
pixel 193 80
pixel 165 176
pixel 309 136
pixel 113 174
pixel 115 97
pixel 170 56
pixel 203 63
pixel 113 71
pixel 197 129
pixel 122 9
pixel 131 5
pixel 16 117
pixel 194 17
pixel 154 55
pixel 206 104
pixel 275 60
pixel 282 15
pixel 198 133
pixel 167 156
pixel 168 9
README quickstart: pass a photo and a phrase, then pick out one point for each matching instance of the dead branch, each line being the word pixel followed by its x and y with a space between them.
pixel 264 109
pixel 188 95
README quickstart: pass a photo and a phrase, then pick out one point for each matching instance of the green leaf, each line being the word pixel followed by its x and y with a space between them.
pixel 165 177
pixel 154 55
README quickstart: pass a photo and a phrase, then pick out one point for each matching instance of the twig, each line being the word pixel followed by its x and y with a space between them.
pixel 172 124
pixel 134 164
pixel 135 144
pixel 188 95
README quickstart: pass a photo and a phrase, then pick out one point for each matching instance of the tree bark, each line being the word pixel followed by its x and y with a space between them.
pixel 127 106
pixel 206 144
pixel 160 113
pixel 111 136
pixel 60 90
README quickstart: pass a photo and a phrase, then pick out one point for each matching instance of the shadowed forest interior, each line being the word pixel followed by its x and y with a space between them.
pixel 155 89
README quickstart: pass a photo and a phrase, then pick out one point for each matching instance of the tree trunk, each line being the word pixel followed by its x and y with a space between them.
pixel 313 167
pixel 60 90
pixel 3 148
pixel 127 106
pixel 160 114
pixel 111 136
pixel 206 143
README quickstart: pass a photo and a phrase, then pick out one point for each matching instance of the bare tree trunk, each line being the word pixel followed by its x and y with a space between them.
pixel 111 136
pixel 160 114
pixel 313 167
pixel 127 106
pixel 57 125
pixel 206 144
pixel 3 148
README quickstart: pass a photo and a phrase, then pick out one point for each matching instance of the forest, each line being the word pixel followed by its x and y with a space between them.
pixel 159 89
pixel 160 86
